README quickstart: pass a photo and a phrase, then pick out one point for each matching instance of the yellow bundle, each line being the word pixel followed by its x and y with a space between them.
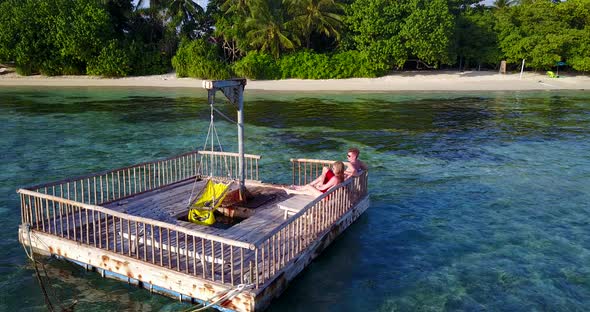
pixel 201 212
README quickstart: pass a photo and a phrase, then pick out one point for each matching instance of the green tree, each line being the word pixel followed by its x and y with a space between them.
pixel 121 13
pixel 267 28
pixel 81 29
pixel 502 4
pixel 199 59
pixel 534 31
pixel 476 40
pixel 229 18
pixel 190 17
pixel 53 37
pixel 187 16
pixel 395 31
pixel 239 7
pixel 458 6
pixel 428 31
pixel 320 16
pixel 376 27
pixel 577 15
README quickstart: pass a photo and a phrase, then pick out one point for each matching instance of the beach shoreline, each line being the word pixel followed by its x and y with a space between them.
pixel 402 81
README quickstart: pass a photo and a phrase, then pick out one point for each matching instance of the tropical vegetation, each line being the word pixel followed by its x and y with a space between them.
pixel 272 39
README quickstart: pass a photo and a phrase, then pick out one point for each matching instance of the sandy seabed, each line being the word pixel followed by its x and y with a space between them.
pixel 402 81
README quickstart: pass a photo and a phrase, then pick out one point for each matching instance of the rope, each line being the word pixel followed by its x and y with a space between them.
pixel 190 198
pixel 30 255
pixel 229 294
pixel 37 273
pixel 208 132
pixel 212 126
pixel 211 132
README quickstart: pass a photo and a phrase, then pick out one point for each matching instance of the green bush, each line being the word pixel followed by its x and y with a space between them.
pixel 51 67
pixel 305 65
pixel 199 59
pixel 351 64
pixel 111 62
pixel 580 63
pixel 24 69
pixel 52 36
pixel 257 66
pixel 308 65
pixel 147 60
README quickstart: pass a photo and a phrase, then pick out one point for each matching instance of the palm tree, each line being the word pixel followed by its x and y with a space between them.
pixel 187 15
pixel 501 4
pixel 185 9
pixel 152 4
pixel 321 16
pixel 235 6
pixel 267 29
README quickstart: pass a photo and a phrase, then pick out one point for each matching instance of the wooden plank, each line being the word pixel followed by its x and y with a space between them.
pixel 257 226
pixel 163 205
pixel 294 204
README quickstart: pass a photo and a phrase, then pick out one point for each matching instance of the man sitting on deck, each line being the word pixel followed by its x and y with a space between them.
pixel 354 166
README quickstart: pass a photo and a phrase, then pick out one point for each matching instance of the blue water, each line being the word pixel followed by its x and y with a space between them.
pixel 479 201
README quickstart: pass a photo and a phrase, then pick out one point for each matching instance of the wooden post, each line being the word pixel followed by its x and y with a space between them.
pixel 503 67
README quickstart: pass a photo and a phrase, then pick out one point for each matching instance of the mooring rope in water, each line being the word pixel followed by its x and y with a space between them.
pixel 37 273
pixel 229 294
pixel 44 289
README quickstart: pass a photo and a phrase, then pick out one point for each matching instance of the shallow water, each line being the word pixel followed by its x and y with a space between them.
pixel 479 201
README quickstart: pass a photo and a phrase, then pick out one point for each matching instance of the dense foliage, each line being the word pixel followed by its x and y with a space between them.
pixel 199 58
pixel 545 32
pixel 270 39
pixel 96 37
pixel 399 30
pixel 257 65
pixel 52 37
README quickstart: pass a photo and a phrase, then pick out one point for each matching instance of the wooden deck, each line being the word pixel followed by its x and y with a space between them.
pixel 128 222
pixel 169 203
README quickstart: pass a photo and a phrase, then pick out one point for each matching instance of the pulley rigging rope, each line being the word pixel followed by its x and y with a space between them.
pixel 211 133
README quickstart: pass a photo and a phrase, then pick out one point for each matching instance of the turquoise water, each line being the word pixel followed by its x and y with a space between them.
pixel 479 201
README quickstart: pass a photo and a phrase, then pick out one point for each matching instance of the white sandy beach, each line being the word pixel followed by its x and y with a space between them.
pixel 402 81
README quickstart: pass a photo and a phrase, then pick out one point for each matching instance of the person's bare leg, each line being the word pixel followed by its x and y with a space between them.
pixel 321 178
pixel 305 190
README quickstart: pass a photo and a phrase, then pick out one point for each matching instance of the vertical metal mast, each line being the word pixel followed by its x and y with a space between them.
pixel 241 163
pixel 234 91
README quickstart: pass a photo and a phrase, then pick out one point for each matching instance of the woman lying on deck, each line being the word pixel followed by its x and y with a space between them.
pixel 327 180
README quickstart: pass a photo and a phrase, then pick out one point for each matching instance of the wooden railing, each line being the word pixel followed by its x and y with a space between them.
pixel 104 187
pixel 206 256
pixel 177 248
pixel 275 250
pixel 71 209
pixel 224 164
pixel 108 186
pixel 306 170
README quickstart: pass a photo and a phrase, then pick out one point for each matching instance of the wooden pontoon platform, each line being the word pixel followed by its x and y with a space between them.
pixel 129 223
